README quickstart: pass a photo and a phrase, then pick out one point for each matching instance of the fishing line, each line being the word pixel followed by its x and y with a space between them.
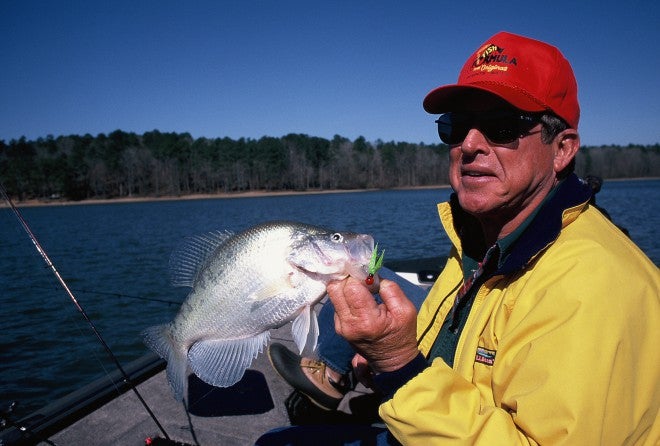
pixel 109 293
pixel 80 309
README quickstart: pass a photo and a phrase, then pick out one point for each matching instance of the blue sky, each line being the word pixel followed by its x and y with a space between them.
pixel 269 68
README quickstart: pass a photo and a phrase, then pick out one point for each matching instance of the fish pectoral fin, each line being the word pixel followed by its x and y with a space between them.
pixel 271 293
pixel 305 330
pixel 267 293
pixel 222 362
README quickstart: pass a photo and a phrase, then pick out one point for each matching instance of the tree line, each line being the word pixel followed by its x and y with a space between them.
pixel 124 164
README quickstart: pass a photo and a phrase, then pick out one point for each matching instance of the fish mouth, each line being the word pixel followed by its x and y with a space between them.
pixel 359 251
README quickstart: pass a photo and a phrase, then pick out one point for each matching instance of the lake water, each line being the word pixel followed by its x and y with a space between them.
pixel 114 257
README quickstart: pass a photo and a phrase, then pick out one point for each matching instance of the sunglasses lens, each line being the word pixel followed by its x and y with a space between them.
pixel 500 131
pixel 502 128
pixel 452 129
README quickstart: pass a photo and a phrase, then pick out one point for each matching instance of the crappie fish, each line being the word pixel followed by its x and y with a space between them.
pixel 245 284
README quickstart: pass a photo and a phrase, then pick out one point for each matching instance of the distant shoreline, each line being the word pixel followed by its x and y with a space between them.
pixel 225 195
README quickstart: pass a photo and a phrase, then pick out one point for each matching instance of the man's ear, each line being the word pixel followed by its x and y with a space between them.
pixel 566 145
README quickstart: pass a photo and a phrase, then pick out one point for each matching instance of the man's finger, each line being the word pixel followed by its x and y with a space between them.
pixel 350 297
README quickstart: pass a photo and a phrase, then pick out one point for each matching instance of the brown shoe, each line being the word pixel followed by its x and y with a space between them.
pixel 307 376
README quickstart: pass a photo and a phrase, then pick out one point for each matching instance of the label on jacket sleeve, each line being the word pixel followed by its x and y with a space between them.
pixel 485 356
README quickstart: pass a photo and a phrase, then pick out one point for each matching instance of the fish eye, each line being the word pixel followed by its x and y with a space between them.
pixel 337 237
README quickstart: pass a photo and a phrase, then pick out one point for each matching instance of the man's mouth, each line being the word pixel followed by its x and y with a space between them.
pixel 475 173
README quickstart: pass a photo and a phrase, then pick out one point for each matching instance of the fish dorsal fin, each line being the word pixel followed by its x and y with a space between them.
pixel 305 330
pixel 188 258
pixel 222 362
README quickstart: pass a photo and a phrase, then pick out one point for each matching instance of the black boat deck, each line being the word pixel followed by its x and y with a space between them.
pixel 233 416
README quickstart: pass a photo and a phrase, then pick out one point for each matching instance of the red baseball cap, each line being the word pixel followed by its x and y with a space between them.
pixel 529 74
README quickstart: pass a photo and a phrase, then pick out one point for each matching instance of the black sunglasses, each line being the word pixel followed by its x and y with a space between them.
pixel 502 127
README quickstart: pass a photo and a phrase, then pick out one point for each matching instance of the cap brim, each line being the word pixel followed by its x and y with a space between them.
pixel 450 98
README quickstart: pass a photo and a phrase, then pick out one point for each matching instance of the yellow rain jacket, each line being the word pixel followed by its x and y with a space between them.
pixel 562 348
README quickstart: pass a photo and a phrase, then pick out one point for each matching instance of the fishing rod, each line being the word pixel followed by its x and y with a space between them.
pixel 80 309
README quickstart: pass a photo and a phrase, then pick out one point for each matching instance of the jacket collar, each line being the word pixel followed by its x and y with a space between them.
pixel 559 210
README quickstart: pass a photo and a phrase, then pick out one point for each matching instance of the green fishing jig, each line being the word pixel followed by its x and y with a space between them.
pixel 374 264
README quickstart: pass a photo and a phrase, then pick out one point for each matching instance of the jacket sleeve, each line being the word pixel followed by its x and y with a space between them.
pixel 575 364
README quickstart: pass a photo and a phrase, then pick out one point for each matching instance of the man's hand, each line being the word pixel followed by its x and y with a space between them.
pixel 384 334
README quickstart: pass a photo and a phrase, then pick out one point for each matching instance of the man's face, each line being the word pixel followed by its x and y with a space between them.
pixel 502 181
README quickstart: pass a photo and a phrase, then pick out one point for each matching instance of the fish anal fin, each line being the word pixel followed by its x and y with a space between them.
pixel 222 362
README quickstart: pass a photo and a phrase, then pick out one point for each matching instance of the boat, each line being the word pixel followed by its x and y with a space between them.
pixel 108 412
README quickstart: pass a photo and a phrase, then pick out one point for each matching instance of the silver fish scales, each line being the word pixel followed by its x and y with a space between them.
pixel 245 284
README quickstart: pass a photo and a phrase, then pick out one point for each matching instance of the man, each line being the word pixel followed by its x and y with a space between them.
pixel 543 326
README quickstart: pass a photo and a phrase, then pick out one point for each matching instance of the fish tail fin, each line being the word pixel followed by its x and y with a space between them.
pixel 159 340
